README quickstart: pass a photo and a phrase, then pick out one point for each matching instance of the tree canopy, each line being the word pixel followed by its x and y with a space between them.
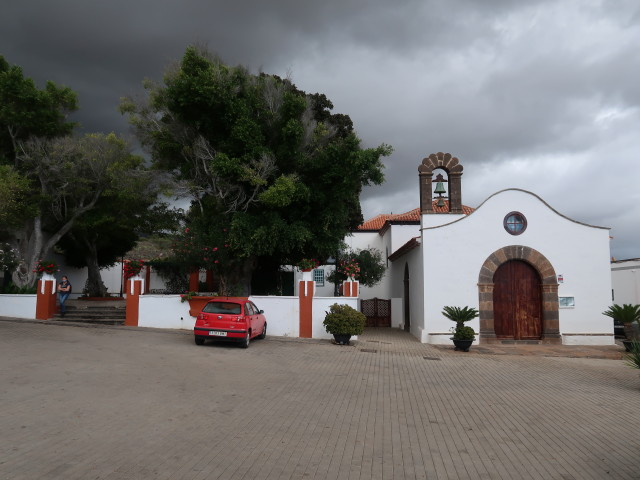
pixel 260 158
pixel 27 111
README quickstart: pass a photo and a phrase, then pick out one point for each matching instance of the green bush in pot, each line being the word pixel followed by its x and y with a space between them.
pixel 343 321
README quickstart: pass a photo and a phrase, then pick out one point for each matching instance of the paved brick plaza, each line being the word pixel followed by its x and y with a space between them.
pixel 125 403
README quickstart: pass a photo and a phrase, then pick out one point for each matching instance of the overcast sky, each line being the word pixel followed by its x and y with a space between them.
pixel 541 95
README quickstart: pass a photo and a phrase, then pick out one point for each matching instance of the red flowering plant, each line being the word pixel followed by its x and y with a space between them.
pixel 308 264
pixel 46 266
pixel 349 268
pixel 132 268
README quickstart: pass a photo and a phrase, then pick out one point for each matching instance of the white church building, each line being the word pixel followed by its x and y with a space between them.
pixel 535 275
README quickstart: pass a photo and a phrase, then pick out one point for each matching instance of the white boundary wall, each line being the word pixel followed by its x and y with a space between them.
pixel 18 306
pixel 282 313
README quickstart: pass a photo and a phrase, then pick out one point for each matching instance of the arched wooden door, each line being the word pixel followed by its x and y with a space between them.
pixel 517 301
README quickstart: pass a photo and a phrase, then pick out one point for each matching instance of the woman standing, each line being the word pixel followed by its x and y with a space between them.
pixel 64 290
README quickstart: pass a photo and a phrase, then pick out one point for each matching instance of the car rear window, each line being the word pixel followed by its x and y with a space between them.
pixel 223 307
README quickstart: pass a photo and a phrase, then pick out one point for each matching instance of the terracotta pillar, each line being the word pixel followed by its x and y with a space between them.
pixel 194 280
pixel 135 287
pixel 350 288
pixel 46 297
pixel 306 289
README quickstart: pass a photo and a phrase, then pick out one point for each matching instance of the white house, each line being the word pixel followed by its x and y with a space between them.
pixel 625 279
pixel 534 274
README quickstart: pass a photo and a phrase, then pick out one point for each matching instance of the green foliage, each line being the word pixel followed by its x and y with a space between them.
pixel 632 359
pixel 370 263
pixel 626 313
pixel 13 289
pixel 271 163
pixel 460 315
pixel 344 320
pixel 17 201
pixel 26 110
pixel 463 333
pixel 8 258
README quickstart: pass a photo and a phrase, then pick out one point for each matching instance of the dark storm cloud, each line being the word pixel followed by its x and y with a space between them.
pixel 541 95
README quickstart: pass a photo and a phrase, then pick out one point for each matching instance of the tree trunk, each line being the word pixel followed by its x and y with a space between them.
pixel 237 282
pixel 94 287
pixel 30 250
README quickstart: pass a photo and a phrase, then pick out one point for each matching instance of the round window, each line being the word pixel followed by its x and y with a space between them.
pixel 515 223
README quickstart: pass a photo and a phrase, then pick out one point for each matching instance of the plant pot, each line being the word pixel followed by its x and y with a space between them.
pixel 462 345
pixel 632 331
pixel 341 339
pixel 196 304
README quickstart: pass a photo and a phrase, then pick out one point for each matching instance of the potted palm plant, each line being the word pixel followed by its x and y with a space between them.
pixel 629 316
pixel 463 336
pixel 343 321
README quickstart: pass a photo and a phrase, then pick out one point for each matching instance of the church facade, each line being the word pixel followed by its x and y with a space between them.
pixel 535 275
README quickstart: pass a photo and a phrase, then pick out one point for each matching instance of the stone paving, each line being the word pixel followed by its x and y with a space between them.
pixel 113 403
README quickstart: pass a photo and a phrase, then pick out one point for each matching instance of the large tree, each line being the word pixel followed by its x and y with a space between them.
pixel 259 157
pixel 68 176
pixel 27 111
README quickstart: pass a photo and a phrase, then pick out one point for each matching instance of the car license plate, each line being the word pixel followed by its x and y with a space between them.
pixel 218 334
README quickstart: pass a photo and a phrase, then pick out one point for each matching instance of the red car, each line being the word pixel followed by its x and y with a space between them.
pixel 230 318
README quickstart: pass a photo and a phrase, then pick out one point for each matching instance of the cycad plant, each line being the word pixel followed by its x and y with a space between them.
pixel 633 358
pixel 460 316
pixel 626 314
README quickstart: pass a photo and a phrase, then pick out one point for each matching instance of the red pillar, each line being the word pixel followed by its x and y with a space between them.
pixel 194 280
pixel 134 290
pixel 350 289
pixel 306 290
pixel 46 298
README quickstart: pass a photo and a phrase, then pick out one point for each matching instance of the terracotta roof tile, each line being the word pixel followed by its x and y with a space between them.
pixel 412 216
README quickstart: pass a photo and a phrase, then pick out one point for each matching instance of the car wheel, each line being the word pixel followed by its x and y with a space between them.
pixel 247 339
pixel 199 340
pixel 264 331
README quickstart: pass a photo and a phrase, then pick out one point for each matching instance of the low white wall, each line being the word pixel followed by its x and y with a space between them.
pixel 397 313
pixel 18 306
pixel 605 339
pixel 321 307
pixel 282 313
pixel 164 311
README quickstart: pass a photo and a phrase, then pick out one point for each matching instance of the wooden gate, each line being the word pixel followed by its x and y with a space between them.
pixel 517 301
pixel 377 311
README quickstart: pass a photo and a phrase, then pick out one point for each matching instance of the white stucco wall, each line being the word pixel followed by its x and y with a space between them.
pixel 625 280
pixel 282 313
pixel 455 252
pixel 18 306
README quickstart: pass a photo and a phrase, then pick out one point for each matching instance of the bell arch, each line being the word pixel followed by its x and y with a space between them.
pixel 550 311
pixel 452 166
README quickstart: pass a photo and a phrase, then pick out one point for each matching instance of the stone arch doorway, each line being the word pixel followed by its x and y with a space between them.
pixel 407 308
pixel 517 301
pixel 549 316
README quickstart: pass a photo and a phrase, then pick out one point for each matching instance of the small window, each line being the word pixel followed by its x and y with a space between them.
pixel 318 277
pixel 515 223
pixel 567 302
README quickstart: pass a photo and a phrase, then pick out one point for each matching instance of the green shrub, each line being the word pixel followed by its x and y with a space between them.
pixel 464 333
pixel 344 320
pixel 12 288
